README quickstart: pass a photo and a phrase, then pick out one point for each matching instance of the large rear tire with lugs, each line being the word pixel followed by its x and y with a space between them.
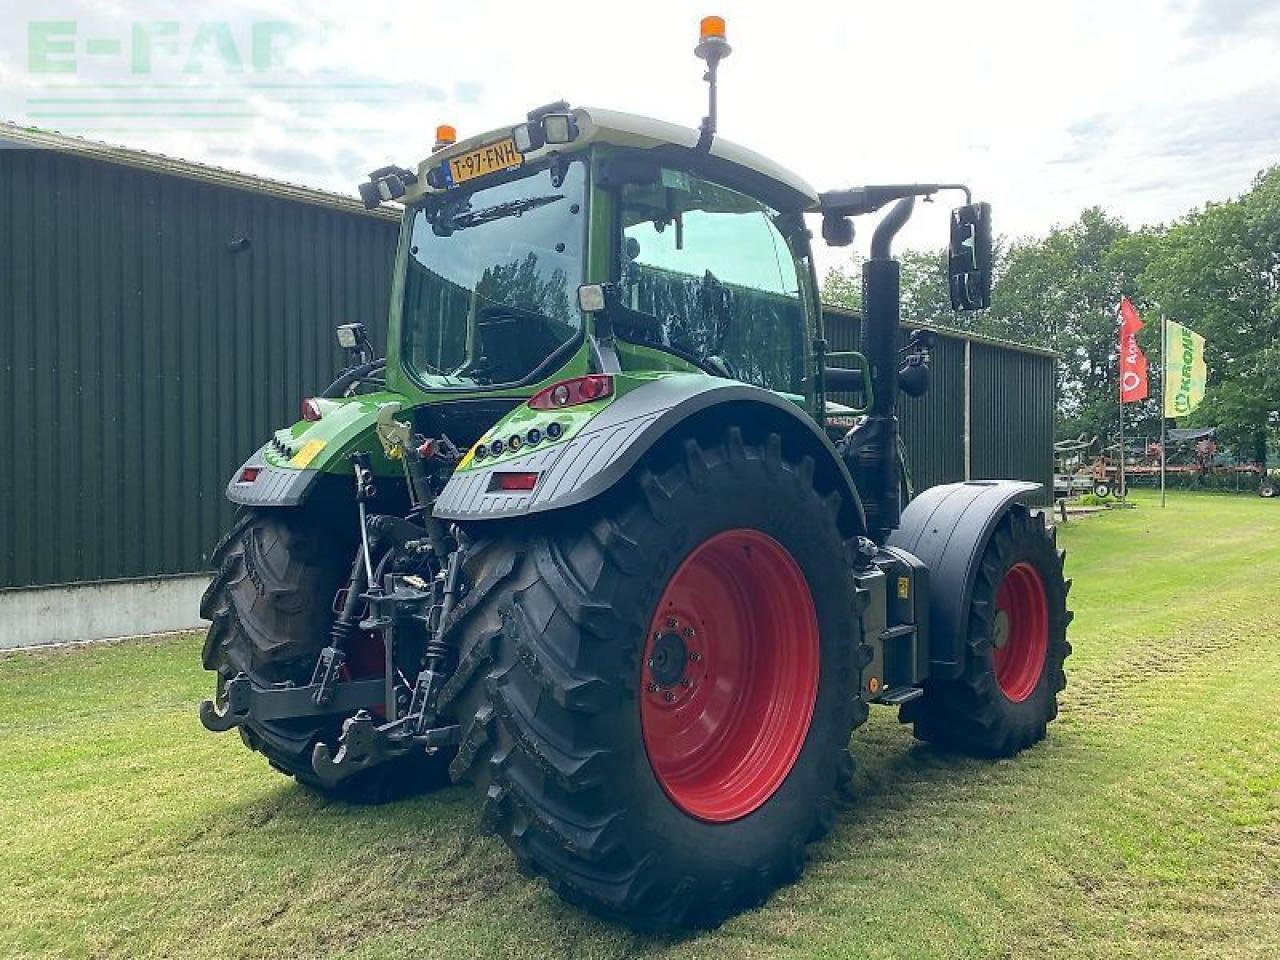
pixel 270 609
pixel 657 689
pixel 1015 650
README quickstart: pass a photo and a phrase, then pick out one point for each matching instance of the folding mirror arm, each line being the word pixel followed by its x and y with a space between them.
pixel 857 201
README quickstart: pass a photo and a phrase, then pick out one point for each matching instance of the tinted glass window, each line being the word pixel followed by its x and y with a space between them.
pixel 713 268
pixel 490 288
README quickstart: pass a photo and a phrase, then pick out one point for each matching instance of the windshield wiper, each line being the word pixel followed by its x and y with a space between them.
pixel 512 208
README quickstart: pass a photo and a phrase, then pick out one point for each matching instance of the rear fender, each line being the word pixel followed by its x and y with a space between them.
pixel 604 450
pixel 287 469
pixel 948 527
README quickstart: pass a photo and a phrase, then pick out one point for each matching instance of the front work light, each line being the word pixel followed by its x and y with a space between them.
pixel 528 137
pixel 591 297
pixel 551 128
pixel 348 336
pixel 560 128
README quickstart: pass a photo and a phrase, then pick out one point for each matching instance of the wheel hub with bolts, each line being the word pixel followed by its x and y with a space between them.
pixel 674 665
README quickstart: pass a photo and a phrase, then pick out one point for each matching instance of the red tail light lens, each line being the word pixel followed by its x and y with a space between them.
pixel 249 474
pixel 570 393
pixel 311 410
pixel 512 482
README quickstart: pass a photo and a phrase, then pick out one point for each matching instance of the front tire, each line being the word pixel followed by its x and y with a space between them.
pixel 657 690
pixel 1017 645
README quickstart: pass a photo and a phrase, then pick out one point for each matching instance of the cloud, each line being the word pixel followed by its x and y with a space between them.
pixel 1215 20
pixel 303 165
pixel 1146 107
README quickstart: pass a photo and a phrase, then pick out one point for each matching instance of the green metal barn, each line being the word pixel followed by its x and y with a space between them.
pixel 158 318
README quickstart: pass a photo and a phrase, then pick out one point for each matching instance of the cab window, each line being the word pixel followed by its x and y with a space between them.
pixel 712 269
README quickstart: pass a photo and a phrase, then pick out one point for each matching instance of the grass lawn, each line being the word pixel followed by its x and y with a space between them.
pixel 1147 825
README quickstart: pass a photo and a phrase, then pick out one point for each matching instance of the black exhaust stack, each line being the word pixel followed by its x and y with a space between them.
pixel 875 452
pixel 877 455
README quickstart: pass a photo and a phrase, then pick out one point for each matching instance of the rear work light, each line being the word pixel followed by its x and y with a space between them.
pixel 502 482
pixel 570 393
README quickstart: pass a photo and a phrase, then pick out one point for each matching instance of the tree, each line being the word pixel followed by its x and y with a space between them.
pixel 842 286
pixel 925 295
pixel 1218 271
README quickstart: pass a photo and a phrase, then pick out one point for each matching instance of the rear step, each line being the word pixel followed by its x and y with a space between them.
pixel 899 695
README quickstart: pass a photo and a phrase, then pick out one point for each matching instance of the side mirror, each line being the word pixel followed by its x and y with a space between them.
pixel 969 258
pixel 837 231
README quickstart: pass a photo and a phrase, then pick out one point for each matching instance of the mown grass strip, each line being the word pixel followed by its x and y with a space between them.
pixel 1148 825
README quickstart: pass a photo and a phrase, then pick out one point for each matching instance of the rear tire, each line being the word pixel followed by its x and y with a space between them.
pixel 270 607
pixel 1102 490
pixel 1016 648
pixel 567 655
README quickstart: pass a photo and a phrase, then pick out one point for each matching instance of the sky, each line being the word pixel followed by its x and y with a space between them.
pixel 1145 107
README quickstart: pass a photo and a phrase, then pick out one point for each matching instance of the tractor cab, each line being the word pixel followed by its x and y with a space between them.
pixel 700 258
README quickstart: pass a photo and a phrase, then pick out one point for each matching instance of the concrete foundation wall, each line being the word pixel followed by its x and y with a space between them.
pixel 98 611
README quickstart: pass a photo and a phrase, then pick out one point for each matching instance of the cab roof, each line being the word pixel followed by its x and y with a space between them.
pixel 777 184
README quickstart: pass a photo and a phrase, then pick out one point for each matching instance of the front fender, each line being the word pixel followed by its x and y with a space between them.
pixel 286 469
pixel 948 527
pixel 605 449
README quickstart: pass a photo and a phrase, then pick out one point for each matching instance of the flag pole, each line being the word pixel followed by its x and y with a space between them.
pixel 1123 492
pixel 1164 389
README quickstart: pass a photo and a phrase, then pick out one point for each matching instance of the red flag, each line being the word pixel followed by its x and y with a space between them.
pixel 1133 362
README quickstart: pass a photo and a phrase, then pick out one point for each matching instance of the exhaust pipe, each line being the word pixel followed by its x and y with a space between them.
pixel 877 456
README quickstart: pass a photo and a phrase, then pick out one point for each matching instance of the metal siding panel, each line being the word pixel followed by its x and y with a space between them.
pixel 933 425
pixel 1013 416
pixel 87 498
pixel 143 360
pixel 42 458
pixel 1005 380
pixel 23 243
pixel 8 268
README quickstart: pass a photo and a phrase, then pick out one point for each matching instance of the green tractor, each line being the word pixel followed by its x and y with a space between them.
pixel 590 539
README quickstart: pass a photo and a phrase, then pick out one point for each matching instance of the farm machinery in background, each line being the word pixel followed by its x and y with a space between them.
pixel 1194 459
pixel 590 538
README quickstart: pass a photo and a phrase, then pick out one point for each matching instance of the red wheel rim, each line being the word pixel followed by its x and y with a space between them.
pixel 1021 632
pixel 729 675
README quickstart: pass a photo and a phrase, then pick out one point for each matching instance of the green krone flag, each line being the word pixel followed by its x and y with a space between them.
pixel 1184 370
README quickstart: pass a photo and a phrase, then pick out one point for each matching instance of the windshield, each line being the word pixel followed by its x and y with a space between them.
pixel 713 273
pixel 491 281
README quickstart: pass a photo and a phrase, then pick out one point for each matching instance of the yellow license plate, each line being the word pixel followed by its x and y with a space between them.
pixel 491 158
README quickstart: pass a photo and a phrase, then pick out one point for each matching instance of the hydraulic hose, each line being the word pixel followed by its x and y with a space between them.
pixel 339 387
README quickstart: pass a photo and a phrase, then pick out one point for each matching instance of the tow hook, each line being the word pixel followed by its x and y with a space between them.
pixel 365 744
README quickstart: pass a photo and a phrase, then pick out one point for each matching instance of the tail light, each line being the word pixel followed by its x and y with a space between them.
pixel 311 410
pixel 248 474
pixel 571 393
pixel 502 482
